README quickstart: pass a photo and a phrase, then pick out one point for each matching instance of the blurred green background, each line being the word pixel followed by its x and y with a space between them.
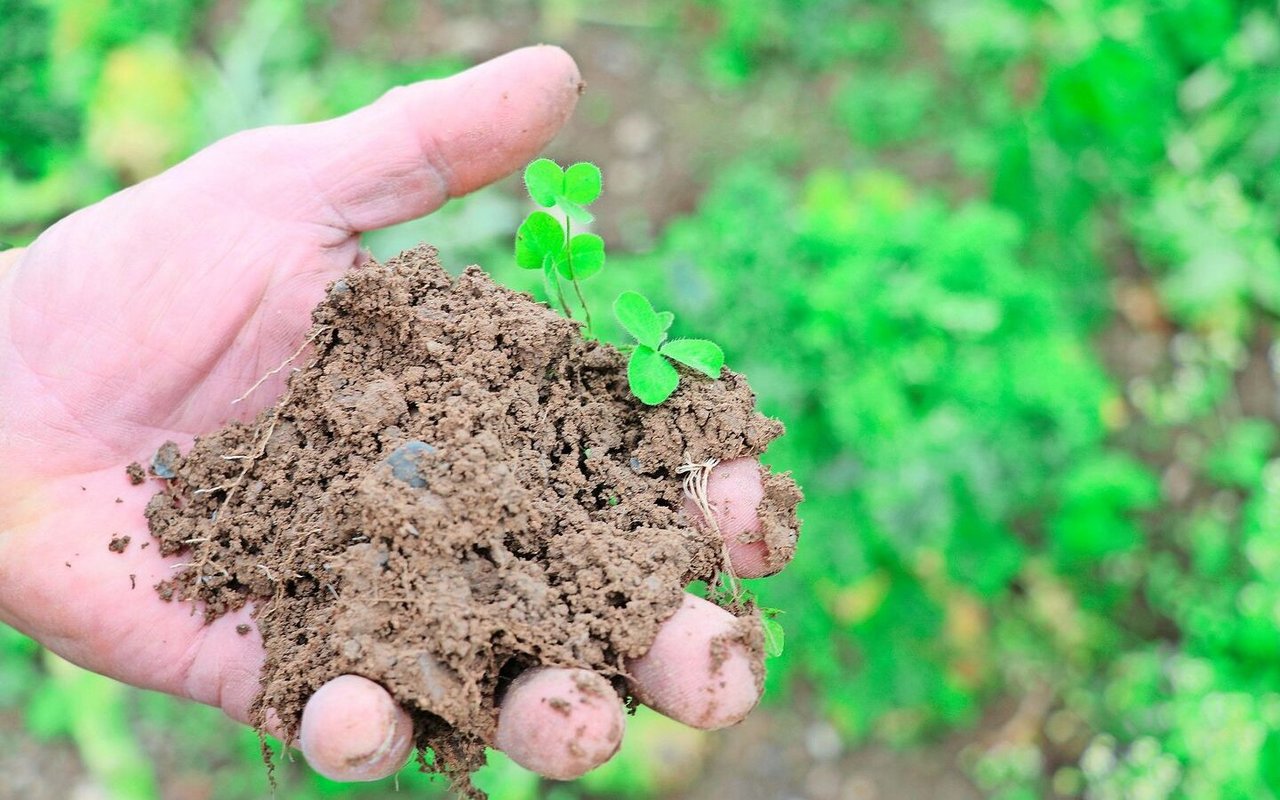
pixel 1008 270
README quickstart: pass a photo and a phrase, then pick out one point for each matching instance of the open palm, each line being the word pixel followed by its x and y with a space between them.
pixel 142 318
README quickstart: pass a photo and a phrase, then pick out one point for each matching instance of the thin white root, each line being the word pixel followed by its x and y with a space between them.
pixel 696 475
pixel 264 437
pixel 314 335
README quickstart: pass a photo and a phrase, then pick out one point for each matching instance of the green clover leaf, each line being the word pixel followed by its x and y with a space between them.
pixel 774 637
pixel 652 378
pixel 568 190
pixel 538 238
pixel 583 257
pixel 636 314
pixel 545 181
pixel 700 354
pixel 582 183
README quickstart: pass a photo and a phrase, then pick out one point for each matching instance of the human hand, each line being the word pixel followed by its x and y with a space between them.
pixel 141 318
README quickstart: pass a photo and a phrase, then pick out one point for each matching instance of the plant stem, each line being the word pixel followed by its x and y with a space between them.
pixel 563 303
pixel 552 279
pixel 585 310
pixel 573 276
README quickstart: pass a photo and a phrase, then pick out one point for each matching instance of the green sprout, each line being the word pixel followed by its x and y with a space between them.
pixel 543 243
pixel 650 372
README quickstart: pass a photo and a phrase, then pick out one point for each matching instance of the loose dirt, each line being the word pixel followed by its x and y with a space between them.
pixel 454 487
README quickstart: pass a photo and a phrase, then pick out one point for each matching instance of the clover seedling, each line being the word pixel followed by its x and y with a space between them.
pixel 650 373
pixel 543 243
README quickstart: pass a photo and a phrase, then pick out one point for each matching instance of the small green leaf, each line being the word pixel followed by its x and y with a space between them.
pixel 666 318
pixel 774 637
pixel 587 250
pixel 574 211
pixel 651 376
pixel 636 314
pixel 582 183
pixel 700 354
pixel 545 181
pixel 539 235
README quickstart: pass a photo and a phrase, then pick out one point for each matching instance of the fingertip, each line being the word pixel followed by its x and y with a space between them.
pixel 735 491
pixel 420 144
pixel 526 96
pixel 704 669
pixel 352 730
pixel 553 58
pixel 560 723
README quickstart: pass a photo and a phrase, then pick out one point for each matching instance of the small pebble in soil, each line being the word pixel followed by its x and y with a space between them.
pixel 404 462
pixel 164 463
pixel 119 543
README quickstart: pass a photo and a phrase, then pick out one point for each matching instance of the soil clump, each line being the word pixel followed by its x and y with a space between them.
pixel 454 488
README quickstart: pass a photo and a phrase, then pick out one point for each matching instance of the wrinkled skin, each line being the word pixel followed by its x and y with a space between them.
pixel 140 318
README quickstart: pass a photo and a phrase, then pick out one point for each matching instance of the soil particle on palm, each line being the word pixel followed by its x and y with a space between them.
pixel 135 473
pixel 119 543
pixel 457 487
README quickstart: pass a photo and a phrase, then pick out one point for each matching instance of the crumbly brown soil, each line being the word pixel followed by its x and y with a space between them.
pixel 456 487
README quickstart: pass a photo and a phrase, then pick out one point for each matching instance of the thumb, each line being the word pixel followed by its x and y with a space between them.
pixel 10 257
pixel 404 155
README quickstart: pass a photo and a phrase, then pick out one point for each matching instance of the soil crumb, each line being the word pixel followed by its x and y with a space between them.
pixel 119 543
pixel 135 473
pixel 455 488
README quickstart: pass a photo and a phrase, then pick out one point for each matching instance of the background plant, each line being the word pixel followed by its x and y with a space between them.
pixel 1006 268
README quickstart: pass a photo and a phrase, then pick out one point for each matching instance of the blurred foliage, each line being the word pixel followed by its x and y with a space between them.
pixel 1020 274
